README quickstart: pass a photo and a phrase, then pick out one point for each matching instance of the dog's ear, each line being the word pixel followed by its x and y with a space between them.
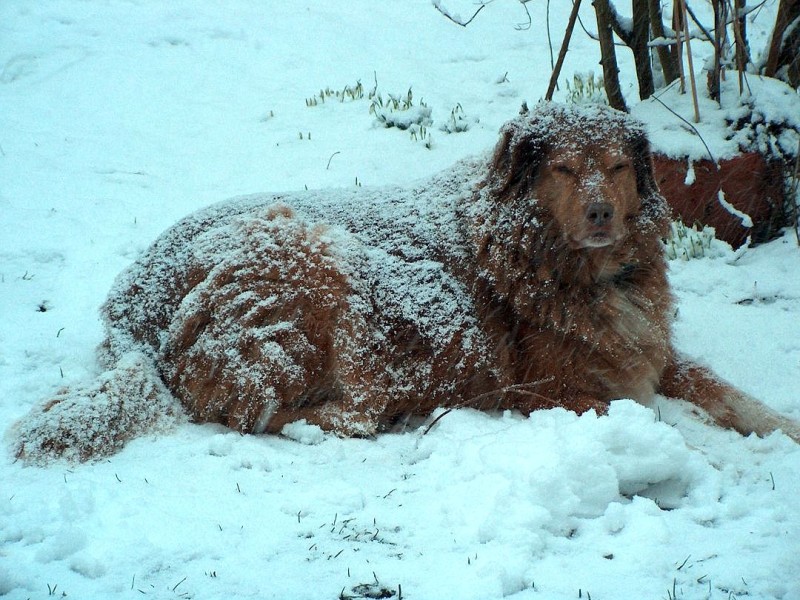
pixel 516 160
pixel 655 210
pixel 642 157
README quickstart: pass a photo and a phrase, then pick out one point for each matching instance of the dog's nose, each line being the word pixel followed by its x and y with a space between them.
pixel 599 213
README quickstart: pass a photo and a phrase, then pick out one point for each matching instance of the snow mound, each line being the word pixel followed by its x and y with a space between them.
pixel 554 468
pixel 765 118
pixel 304 432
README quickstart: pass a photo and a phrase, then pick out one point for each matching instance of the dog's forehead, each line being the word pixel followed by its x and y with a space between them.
pixel 595 153
pixel 578 127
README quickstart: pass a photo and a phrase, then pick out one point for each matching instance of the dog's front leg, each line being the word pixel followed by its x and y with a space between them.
pixel 726 405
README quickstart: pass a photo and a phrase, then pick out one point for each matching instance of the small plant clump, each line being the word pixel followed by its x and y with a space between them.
pixel 346 94
pixel 400 111
pixel 458 121
pixel 397 111
pixel 586 89
pixel 685 243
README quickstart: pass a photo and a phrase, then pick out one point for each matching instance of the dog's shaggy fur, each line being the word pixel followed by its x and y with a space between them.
pixel 532 280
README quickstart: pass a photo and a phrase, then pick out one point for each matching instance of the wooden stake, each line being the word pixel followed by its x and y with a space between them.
pixel 692 81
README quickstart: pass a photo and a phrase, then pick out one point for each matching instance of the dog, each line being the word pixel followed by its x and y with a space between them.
pixel 529 279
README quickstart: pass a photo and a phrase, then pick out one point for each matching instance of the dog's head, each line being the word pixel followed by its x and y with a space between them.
pixel 585 169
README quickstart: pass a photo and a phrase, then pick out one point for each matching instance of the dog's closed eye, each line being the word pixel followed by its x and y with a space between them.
pixel 563 170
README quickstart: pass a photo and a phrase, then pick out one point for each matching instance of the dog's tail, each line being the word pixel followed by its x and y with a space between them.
pixel 726 405
pixel 95 420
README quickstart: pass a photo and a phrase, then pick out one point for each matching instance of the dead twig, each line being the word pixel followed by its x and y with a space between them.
pixel 518 388
pixel 438 6
pixel 327 168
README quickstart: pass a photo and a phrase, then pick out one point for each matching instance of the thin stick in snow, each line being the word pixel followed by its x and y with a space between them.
pixel 563 52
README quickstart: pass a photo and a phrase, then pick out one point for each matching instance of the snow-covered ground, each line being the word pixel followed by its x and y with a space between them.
pixel 117 118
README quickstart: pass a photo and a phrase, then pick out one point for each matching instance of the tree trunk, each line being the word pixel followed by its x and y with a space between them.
pixel 740 22
pixel 641 52
pixel 608 55
pixel 784 52
pixel 667 55
pixel 636 37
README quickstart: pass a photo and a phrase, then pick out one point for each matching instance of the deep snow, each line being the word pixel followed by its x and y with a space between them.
pixel 118 118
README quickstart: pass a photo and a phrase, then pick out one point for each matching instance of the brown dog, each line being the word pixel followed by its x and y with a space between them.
pixel 533 280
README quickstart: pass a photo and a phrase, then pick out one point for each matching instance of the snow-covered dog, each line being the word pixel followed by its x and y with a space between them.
pixel 531 279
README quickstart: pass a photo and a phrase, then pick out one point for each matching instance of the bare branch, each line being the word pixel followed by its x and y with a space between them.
pixel 617 25
pixel 564 47
pixel 527 26
pixel 456 19
pixel 590 34
pixel 594 36
pixel 697 22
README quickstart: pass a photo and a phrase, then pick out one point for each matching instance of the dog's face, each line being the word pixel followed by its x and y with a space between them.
pixel 591 191
pixel 583 174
